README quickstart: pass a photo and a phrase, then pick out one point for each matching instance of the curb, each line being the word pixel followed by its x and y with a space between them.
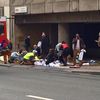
pixel 83 71
pixel 87 72
pixel 57 69
pixel 6 65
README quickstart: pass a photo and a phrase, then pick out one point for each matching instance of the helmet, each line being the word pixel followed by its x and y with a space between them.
pixel 34 51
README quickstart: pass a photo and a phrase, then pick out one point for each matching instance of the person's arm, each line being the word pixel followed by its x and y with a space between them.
pixel 98 41
pixel 83 46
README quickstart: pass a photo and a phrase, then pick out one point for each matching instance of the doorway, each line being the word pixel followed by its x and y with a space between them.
pixel 89 33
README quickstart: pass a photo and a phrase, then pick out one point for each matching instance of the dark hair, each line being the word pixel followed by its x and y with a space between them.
pixel 63 42
pixel 20 51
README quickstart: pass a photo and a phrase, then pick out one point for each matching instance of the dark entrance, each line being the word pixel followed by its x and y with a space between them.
pixel 89 33
pixel 35 30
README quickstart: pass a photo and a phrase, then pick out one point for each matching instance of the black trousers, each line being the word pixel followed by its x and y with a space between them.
pixel 61 59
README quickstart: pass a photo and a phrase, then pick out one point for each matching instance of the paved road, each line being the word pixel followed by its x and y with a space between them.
pixel 30 84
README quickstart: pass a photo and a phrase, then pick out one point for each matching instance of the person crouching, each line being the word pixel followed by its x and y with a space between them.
pixel 30 58
pixel 51 56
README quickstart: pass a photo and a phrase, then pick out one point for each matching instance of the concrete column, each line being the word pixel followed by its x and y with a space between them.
pixel 7 14
pixel 63 32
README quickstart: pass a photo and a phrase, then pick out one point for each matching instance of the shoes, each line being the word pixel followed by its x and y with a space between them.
pixel 5 62
pixel 75 66
pixel 65 65
pixel 21 62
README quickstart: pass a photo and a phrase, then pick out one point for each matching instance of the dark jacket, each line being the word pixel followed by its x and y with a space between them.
pixel 45 44
pixel 82 44
pixel 27 42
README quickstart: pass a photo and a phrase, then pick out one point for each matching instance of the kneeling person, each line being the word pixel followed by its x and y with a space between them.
pixel 30 58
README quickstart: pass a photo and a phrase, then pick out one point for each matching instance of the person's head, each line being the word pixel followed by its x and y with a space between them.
pixel 20 51
pixel 77 36
pixel 35 52
pixel 51 50
pixel 99 33
pixel 63 42
pixel 28 36
pixel 34 46
pixel 43 34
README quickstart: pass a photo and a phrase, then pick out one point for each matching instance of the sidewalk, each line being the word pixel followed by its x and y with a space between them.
pixel 87 69
pixel 84 69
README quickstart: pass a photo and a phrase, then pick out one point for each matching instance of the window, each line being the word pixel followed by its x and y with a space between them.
pixel 1 28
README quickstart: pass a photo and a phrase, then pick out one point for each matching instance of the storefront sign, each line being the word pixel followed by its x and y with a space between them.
pixel 22 9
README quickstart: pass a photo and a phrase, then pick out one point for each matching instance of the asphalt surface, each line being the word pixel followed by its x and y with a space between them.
pixel 32 84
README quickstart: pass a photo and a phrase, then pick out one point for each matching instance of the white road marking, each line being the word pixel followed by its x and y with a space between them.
pixel 37 97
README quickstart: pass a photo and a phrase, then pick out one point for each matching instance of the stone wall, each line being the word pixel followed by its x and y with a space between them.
pixel 4 3
pixel 55 6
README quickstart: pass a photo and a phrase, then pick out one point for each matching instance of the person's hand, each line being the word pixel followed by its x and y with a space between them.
pixel 96 41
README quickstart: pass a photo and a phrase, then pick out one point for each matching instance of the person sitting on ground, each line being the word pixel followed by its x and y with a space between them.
pixel 30 58
pixel 16 57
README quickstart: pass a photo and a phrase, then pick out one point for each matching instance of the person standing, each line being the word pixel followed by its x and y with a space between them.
pixel 77 45
pixel 45 45
pixel 98 40
pixel 5 50
pixel 27 43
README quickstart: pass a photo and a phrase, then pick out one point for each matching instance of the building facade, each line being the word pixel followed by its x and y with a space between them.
pixel 59 19
pixel 5 12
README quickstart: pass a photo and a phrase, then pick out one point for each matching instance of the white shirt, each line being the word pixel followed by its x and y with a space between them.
pixel 78 45
pixel 14 54
pixel 39 44
pixel 58 46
